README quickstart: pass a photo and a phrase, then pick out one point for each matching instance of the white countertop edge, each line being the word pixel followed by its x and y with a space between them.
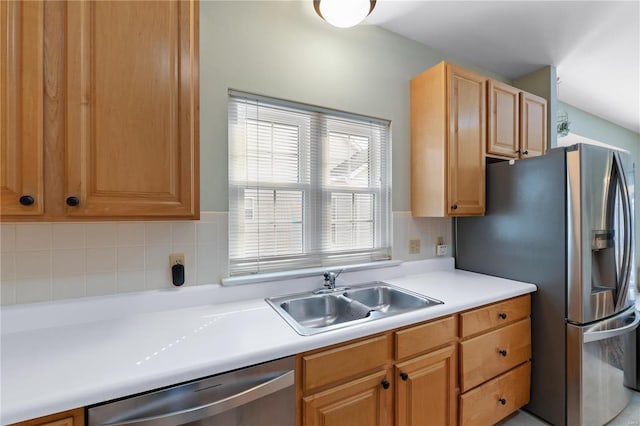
pixel 290 343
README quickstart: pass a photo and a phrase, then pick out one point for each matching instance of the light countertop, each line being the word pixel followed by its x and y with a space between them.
pixel 109 353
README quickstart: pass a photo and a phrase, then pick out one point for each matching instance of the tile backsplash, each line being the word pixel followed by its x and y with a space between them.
pixel 50 261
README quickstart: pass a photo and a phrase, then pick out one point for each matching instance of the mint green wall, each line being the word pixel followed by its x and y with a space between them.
pixel 282 49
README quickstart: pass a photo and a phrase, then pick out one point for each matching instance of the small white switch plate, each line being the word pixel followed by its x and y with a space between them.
pixel 442 249
pixel 176 258
pixel 414 246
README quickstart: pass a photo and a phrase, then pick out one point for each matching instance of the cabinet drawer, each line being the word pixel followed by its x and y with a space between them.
pixel 496 399
pixel 343 362
pixel 488 355
pixel 498 314
pixel 421 338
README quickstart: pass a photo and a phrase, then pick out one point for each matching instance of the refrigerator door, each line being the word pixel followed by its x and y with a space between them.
pixel 598 367
pixel 599 234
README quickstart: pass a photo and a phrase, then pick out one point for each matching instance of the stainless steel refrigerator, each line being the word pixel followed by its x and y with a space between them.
pixel 564 221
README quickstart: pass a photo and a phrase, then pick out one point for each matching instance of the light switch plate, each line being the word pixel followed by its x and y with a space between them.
pixel 414 246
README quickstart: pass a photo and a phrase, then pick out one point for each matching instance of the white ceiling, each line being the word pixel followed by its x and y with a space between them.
pixel 594 45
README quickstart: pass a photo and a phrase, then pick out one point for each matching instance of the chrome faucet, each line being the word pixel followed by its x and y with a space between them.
pixel 330 279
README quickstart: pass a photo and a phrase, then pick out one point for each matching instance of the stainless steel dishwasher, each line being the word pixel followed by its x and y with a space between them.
pixel 261 395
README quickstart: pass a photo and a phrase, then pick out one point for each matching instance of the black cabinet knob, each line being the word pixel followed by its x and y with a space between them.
pixel 517 151
pixel 385 384
pixel 502 315
pixel 525 153
pixel 454 207
pixel 73 201
pixel 502 401
pixel 502 352
pixel 404 376
pixel 27 200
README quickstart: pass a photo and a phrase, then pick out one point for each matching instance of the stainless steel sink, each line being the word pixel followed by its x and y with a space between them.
pixel 309 313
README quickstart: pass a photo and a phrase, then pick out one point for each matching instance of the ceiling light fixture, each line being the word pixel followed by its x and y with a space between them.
pixel 343 13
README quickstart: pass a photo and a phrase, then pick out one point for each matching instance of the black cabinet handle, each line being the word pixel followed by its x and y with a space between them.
pixel 518 151
pixel 454 207
pixel 73 201
pixel 404 376
pixel 502 315
pixel 503 352
pixel 27 200
pixel 502 401
pixel 525 153
pixel 385 384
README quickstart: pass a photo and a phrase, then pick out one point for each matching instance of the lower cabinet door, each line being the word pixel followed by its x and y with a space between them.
pixel 426 389
pixel 361 402
pixel 496 399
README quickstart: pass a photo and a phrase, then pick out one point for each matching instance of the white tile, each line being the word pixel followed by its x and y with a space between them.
pixel 211 216
pixel 33 263
pixel 31 290
pixel 183 233
pixel 33 236
pixel 207 268
pixel 68 235
pixel 69 287
pixel 100 259
pixel 130 234
pixel 157 233
pixel 206 233
pixel 130 281
pixel 7 292
pixel 69 262
pixel 101 283
pixel 157 256
pixel 7 266
pixel 101 234
pixel 130 258
pixel 7 237
pixel 157 279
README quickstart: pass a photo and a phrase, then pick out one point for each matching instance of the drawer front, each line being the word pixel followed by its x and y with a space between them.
pixel 496 399
pixel 496 315
pixel 421 338
pixel 344 362
pixel 488 355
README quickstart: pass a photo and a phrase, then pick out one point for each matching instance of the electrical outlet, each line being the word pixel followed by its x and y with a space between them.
pixel 442 249
pixel 414 246
pixel 176 258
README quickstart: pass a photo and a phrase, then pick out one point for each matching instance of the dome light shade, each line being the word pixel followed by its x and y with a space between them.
pixel 344 13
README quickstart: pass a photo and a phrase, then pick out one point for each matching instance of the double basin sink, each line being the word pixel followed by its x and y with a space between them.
pixel 311 312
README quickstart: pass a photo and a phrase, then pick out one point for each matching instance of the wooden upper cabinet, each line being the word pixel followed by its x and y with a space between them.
pixel 533 124
pixel 21 107
pixel 448 138
pixel 504 117
pixel 132 108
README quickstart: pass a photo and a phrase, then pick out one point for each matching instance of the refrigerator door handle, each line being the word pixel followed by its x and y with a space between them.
pixel 627 219
pixel 593 336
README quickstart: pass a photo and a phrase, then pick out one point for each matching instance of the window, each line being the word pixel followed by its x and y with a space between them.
pixel 308 186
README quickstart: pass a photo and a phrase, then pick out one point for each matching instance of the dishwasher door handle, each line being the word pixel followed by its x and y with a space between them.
pixel 215 407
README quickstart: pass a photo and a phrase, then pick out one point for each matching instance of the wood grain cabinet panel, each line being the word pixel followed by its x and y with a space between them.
pixel 361 402
pixel 132 108
pixel 496 399
pixel 493 353
pixel 533 119
pixel 21 108
pixel 66 418
pixel 426 389
pixel 504 118
pixel 495 315
pixel 421 338
pixel 448 142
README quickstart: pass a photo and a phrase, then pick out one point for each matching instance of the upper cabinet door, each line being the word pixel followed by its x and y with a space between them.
pixel 533 122
pixel 504 115
pixel 21 107
pixel 132 108
pixel 466 141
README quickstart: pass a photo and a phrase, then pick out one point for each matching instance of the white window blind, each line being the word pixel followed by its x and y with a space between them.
pixel 308 186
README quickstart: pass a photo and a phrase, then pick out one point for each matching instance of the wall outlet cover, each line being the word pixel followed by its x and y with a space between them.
pixel 442 249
